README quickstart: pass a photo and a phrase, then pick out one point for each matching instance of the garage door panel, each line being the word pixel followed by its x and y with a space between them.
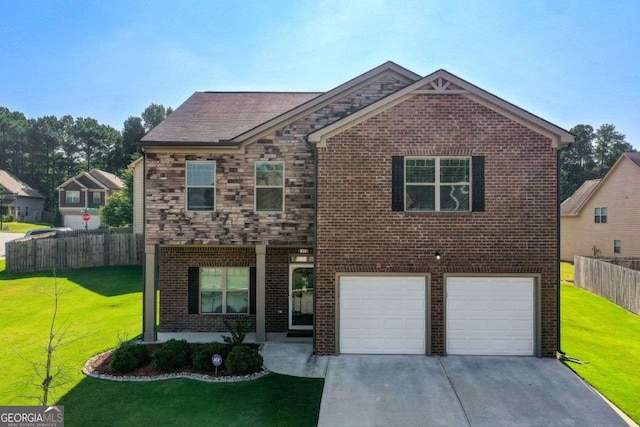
pixel 490 315
pixel 382 315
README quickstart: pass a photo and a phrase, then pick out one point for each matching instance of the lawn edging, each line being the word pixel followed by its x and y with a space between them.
pixel 88 370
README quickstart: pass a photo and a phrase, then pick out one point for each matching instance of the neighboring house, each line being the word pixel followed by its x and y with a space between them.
pixel 138 195
pixel 86 192
pixel 602 218
pixel 392 214
pixel 19 200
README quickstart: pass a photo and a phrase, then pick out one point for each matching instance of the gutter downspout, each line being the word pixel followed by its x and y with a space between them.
pixel 559 353
pixel 315 244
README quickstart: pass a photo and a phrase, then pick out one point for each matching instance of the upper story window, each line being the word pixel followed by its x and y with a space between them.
pixel 96 198
pixel 600 215
pixel 201 178
pixel 437 184
pixel 72 196
pixel 269 179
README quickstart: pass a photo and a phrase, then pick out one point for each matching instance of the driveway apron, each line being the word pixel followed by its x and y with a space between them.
pixel 458 391
pixel 388 391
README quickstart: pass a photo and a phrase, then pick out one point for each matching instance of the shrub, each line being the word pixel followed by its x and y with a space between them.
pixel 202 354
pixel 238 331
pixel 174 354
pixel 243 360
pixel 129 356
pixel 8 218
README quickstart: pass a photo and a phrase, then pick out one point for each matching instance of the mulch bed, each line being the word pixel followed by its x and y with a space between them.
pixel 102 366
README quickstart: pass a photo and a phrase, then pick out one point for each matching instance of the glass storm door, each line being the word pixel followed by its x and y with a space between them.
pixel 301 296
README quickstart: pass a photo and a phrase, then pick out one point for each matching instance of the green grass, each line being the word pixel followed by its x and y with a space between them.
pixel 100 304
pixel 605 337
pixel 22 227
pixel 566 272
pixel 274 400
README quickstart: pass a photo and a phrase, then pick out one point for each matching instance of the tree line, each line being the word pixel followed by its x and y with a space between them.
pixel 46 151
pixel 591 156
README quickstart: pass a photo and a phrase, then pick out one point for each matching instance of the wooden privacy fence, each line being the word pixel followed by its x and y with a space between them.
pixel 75 251
pixel 617 284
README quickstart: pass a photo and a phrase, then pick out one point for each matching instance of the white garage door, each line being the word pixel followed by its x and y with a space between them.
pixel 490 315
pixel 382 315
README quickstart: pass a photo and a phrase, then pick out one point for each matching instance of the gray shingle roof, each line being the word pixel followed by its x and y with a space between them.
pixel 108 179
pixel 211 117
pixel 11 184
pixel 572 205
pixel 634 157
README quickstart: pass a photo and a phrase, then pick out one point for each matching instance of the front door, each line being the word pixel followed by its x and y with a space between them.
pixel 301 296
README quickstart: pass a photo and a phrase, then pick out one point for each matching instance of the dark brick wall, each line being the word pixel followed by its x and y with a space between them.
pixel 357 231
pixel 174 264
pixel 174 285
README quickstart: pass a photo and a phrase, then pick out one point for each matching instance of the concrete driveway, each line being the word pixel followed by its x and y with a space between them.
pixel 7 237
pixel 458 391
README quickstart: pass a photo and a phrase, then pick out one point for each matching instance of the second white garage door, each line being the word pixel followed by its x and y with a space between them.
pixel 382 315
pixel 490 315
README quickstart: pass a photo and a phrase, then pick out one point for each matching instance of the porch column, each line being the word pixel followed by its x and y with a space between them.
pixel 149 298
pixel 261 268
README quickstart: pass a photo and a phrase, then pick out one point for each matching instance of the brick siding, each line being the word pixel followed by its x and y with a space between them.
pixel 357 231
pixel 174 285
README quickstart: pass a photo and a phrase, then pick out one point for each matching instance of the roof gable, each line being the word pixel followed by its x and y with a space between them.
pixel 443 82
pixel 95 179
pixel 11 184
pixel 574 204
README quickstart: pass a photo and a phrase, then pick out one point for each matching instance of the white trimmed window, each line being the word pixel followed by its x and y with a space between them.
pixel 269 191
pixel 96 198
pixel 224 290
pixel 600 215
pixel 201 189
pixel 437 184
pixel 72 196
pixel 617 246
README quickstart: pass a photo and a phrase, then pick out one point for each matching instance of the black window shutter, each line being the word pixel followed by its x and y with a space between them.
pixel 194 290
pixel 397 183
pixel 252 290
pixel 477 167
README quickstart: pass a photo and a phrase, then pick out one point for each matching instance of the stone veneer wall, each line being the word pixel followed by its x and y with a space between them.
pixel 234 222
pixel 358 232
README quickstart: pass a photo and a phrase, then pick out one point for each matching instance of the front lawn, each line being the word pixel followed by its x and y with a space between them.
pixel 274 400
pixel 98 304
pixel 22 227
pixel 101 304
pixel 605 337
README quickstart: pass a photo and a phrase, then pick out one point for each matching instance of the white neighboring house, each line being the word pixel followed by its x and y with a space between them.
pixel 19 200
pixel 602 216
pixel 86 192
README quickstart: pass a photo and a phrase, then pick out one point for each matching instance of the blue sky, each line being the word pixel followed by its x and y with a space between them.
pixel 568 61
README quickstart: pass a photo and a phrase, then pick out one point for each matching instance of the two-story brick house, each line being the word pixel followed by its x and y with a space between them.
pixel 86 192
pixel 392 214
